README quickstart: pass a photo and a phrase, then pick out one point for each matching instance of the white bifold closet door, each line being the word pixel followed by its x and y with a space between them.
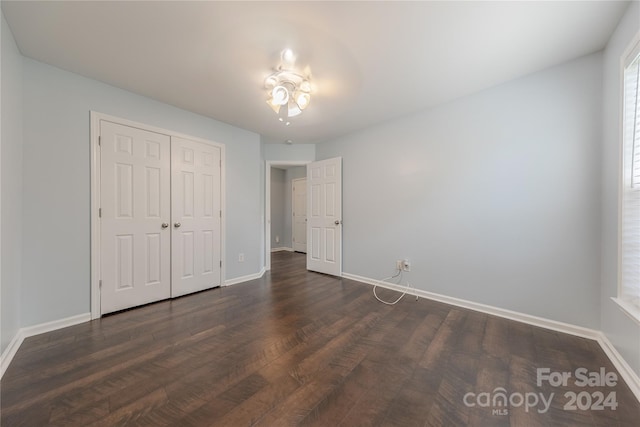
pixel 136 210
pixel 196 215
pixel 160 200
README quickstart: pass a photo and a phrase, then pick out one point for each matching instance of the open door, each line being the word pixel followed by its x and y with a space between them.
pixel 324 213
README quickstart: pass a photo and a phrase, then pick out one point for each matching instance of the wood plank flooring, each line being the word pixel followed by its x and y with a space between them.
pixel 299 348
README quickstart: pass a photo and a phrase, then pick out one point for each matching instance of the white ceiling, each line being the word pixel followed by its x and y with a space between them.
pixel 370 61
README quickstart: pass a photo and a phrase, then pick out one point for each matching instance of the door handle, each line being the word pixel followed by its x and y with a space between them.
pixel 165 225
pixel 337 222
pixel 177 225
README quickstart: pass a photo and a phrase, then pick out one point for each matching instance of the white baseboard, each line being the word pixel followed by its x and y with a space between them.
pixel 246 278
pixel 496 311
pixel 284 248
pixel 628 374
pixel 10 351
pixel 29 331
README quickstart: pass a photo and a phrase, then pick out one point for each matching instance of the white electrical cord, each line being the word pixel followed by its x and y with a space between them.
pixel 399 273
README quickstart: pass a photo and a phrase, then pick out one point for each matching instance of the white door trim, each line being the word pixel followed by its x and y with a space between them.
pixel 267 203
pixel 95 118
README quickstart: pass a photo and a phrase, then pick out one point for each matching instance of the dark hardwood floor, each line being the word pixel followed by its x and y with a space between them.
pixel 299 348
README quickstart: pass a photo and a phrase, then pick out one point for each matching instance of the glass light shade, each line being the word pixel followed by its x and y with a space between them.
pixel 270 82
pixel 294 110
pixel 305 86
pixel 302 99
pixel 275 107
pixel 280 95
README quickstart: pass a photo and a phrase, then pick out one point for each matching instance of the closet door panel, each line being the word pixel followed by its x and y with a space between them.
pixel 135 202
pixel 196 216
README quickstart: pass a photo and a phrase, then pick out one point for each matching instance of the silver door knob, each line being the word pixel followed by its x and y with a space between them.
pixel 177 224
pixel 165 224
pixel 337 222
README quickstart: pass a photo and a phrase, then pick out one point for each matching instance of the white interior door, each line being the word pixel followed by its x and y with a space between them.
pixel 135 205
pixel 196 216
pixel 299 191
pixel 324 213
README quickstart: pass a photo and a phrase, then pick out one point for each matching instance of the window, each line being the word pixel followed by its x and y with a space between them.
pixel 629 291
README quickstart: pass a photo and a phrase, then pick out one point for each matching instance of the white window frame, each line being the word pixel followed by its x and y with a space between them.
pixel 633 310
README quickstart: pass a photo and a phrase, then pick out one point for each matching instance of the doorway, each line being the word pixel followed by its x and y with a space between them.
pixel 299 214
pixel 279 223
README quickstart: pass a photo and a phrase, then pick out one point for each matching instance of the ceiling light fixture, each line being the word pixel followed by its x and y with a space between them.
pixel 289 92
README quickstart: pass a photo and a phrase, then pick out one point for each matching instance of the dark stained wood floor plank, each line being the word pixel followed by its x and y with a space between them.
pixel 296 348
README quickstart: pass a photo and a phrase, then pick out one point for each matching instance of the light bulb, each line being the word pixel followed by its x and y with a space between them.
pixel 288 56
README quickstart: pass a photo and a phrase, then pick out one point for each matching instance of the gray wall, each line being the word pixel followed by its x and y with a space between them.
pixel 278 213
pixel 11 191
pixel 494 198
pixel 289 152
pixel 621 330
pixel 56 192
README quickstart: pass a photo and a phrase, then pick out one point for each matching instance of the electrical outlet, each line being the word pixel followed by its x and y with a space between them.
pixel 399 264
pixel 240 257
pixel 406 265
pixel 277 239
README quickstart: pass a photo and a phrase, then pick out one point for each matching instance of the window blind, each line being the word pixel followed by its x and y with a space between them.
pixel 630 244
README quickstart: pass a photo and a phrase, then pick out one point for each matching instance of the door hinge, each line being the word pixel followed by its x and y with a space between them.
pixel 220 263
pixel 100 140
pixel 99 212
pixel 100 283
pixel 220 214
